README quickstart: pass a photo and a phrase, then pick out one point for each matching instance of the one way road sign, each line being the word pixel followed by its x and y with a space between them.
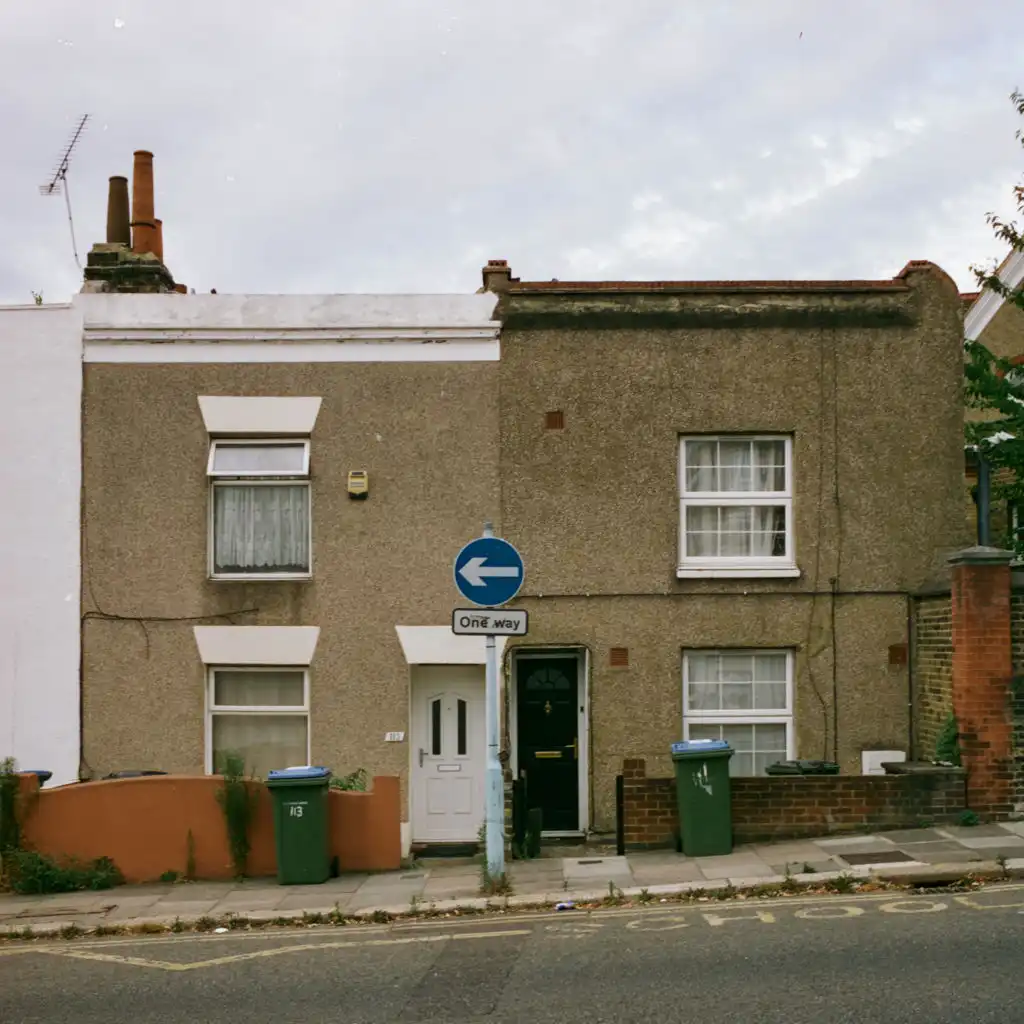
pixel 488 571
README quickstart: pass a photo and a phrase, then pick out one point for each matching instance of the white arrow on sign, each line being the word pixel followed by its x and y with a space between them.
pixel 477 572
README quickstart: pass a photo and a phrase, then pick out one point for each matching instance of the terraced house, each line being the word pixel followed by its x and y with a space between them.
pixel 726 495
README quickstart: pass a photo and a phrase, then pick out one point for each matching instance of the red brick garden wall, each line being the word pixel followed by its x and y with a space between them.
pixel 793 807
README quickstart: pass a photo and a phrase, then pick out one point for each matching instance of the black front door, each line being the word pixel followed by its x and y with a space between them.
pixel 547 694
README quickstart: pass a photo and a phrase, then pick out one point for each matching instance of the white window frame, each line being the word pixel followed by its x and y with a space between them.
pixel 737 567
pixel 258 478
pixel 746 716
pixel 257 442
pixel 213 709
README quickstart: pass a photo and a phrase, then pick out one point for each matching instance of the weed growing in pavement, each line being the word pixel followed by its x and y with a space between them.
pixel 336 916
pixel 842 883
pixel 237 800
pixel 108 929
pixel 645 896
pixel 205 923
pixel 790 884
pixel 177 925
pixel 614 897
pixel 71 931
pixel 380 917
pixel 968 819
pixel 727 892
pixel 1001 861
pixel 169 876
pixel 313 917
pixel 494 885
pixel 149 928
pixel 238 923
pixel 414 904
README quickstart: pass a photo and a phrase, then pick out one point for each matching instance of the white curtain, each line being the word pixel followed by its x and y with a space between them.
pixel 265 741
pixel 261 528
pixel 701 473
pixel 280 689
pixel 735 465
pixel 769 466
pixel 768 536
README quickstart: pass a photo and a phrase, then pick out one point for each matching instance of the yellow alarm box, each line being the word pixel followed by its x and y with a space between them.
pixel 358 484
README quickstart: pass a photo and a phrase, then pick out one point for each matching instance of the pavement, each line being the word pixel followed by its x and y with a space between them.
pixel 930 853
pixel 888 958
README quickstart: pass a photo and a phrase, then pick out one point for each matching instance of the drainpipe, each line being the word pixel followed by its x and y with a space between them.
pixel 984 501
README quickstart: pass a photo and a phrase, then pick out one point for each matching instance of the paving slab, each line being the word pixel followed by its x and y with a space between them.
pixel 1005 841
pixel 732 865
pixel 939 846
pixel 1016 827
pixel 782 852
pixel 913 835
pixel 594 867
pixel 799 867
pixel 862 844
pixel 957 856
pixel 961 832
pixel 185 909
pixel 443 889
pixel 685 871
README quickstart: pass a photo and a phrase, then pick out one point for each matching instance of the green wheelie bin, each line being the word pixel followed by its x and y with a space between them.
pixel 703 796
pixel 301 824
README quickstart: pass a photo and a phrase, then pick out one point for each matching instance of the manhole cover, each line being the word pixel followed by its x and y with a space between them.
pixel 880 857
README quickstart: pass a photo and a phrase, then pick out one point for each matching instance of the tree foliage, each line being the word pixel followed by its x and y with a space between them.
pixel 995 384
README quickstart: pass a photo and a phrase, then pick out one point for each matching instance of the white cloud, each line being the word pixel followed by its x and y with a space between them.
pixel 394 146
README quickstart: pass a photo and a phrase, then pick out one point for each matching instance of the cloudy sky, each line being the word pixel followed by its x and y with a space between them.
pixel 396 145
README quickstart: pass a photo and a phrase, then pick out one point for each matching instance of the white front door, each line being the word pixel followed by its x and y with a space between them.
pixel 448 753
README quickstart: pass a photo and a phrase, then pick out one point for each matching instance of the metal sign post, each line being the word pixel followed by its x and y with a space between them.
pixel 489 572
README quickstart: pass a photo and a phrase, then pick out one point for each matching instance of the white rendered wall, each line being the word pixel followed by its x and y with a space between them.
pixel 40 480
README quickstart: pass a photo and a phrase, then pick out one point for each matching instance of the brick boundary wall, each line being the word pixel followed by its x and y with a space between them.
pixel 796 807
pixel 1017 687
pixel 933 670
pixel 983 677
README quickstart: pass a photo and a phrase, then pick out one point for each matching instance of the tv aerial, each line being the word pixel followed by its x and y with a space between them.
pixel 58 183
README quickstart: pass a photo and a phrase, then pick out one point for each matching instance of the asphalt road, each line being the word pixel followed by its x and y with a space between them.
pixel 894 959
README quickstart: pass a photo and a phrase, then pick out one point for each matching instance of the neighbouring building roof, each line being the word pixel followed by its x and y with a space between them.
pixel 987 302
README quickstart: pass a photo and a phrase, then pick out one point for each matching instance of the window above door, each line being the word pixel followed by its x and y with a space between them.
pixel 736 507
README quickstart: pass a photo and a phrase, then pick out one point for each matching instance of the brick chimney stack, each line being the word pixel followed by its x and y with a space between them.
pixel 132 258
pixel 118 219
pixel 143 215
pixel 497 276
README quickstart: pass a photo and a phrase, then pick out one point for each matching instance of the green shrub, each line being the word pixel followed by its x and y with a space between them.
pixel 357 781
pixel 238 802
pixel 34 873
pixel 947 747
pixel 10 836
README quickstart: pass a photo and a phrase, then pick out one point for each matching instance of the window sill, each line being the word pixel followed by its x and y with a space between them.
pixel 257 577
pixel 780 572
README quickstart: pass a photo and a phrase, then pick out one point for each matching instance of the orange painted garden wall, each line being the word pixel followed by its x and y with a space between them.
pixel 143 825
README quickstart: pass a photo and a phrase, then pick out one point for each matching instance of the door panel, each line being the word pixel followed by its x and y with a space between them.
pixel 547 721
pixel 448 747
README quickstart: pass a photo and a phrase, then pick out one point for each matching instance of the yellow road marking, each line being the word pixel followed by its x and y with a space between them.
pixel 167 965
pixel 652 912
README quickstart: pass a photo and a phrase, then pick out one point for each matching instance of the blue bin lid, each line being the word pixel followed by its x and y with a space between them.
pixel 699 746
pixel 309 771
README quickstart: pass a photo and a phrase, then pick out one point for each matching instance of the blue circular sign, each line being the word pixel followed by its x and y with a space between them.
pixel 489 571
